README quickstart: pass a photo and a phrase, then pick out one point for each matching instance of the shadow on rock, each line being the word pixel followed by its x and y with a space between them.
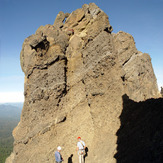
pixel 70 159
pixel 86 153
pixel 140 137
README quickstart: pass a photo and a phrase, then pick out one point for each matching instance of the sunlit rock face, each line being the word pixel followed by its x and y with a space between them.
pixel 76 73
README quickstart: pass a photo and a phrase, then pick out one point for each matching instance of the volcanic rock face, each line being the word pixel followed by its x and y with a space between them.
pixel 76 72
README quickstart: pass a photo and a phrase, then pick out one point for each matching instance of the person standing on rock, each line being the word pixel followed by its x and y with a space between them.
pixel 81 149
pixel 58 156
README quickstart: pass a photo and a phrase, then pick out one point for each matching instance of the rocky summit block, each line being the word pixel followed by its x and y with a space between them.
pixel 76 73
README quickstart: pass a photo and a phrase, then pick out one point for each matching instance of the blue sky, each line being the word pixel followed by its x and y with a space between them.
pixel 143 19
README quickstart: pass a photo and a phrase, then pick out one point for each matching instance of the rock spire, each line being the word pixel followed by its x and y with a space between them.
pixel 76 73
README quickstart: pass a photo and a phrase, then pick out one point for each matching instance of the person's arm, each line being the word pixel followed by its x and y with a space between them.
pixel 62 158
pixel 77 148
pixel 84 145
pixel 57 157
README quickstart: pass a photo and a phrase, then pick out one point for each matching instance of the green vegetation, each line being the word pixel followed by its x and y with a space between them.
pixel 9 118
pixel 6 146
pixel 6 138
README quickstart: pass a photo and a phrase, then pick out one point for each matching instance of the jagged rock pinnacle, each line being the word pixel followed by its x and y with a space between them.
pixel 76 73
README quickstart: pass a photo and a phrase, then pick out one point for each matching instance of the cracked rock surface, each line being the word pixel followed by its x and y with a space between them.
pixel 76 72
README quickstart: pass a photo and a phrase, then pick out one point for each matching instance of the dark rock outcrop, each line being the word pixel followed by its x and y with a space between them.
pixel 161 91
pixel 140 135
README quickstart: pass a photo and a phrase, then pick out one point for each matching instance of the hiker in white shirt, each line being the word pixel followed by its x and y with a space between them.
pixel 81 149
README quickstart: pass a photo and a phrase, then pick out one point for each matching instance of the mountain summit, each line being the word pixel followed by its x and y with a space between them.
pixel 76 74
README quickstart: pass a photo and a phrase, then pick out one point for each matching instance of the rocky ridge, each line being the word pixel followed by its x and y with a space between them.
pixel 76 73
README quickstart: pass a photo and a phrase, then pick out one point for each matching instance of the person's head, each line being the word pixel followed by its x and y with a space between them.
pixel 59 148
pixel 79 138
